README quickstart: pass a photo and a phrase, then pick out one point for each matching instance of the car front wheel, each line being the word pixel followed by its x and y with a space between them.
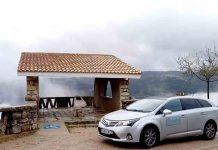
pixel 149 137
pixel 210 130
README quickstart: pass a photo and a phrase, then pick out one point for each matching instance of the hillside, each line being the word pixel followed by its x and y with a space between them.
pixel 152 83
pixel 159 83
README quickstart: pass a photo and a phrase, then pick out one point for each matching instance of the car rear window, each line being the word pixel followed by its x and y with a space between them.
pixel 204 103
pixel 190 104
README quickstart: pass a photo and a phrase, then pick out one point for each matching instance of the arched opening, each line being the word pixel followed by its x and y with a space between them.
pixel 108 90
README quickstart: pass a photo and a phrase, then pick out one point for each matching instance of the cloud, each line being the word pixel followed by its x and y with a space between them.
pixel 149 35
pixel 140 33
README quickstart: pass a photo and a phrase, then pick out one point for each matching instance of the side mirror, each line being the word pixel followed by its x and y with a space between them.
pixel 167 112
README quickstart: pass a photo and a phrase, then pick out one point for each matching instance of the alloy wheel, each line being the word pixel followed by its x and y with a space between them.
pixel 150 137
pixel 210 130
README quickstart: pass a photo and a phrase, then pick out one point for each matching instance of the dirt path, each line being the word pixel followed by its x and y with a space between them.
pixel 87 139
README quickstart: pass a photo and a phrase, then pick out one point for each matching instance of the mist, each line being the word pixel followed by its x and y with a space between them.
pixel 148 35
pixel 66 87
pixel 213 96
pixel 12 92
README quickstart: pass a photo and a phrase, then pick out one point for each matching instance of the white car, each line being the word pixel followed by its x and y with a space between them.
pixel 152 120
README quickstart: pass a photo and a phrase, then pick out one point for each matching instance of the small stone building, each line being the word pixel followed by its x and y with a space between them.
pixel 104 68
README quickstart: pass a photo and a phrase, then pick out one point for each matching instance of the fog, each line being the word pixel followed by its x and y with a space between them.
pixel 149 35
pixel 12 92
pixel 65 87
pixel 213 96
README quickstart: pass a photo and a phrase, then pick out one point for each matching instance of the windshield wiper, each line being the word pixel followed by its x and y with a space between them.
pixel 134 110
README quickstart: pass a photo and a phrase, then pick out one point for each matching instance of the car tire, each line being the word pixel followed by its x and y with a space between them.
pixel 149 137
pixel 210 130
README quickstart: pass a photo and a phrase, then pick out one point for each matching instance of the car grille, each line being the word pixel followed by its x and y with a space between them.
pixel 109 123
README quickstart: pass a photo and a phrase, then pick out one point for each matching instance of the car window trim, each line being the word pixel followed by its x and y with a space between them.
pixel 202 106
pixel 190 99
pixel 157 113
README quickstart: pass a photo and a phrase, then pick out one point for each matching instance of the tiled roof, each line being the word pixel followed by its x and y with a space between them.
pixel 73 63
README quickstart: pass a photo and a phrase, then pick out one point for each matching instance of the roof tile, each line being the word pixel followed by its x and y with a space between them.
pixel 73 63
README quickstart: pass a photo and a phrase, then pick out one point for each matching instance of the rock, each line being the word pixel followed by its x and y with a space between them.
pixel 87 111
pixel 80 113
pixel 35 120
pixel 14 122
pixel 5 117
pixel 23 120
pixel 24 114
pixel 25 128
pixel 16 115
pixel 7 131
pixel 15 129
pixel 34 115
pixel 34 126
pixel 2 128
pixel 28 114
pixel 30 121
pixel 74 112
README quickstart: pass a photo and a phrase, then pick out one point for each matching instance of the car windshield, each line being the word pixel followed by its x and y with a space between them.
pixel 145 105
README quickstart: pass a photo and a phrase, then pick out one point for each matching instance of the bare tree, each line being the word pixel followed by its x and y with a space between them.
pixel 203 65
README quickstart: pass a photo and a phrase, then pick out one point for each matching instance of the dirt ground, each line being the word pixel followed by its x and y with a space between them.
pixel 87 139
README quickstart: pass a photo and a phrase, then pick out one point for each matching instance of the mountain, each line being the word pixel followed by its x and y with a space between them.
pixel 151 84
pixel 165 83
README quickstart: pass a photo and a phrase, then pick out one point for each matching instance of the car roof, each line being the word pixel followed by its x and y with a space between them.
pixel 185 97
pixel 163 99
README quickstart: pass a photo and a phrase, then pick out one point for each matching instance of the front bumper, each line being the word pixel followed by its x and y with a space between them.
pixel 119 134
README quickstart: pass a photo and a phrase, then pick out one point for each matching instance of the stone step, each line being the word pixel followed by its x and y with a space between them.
pixel 82 125
pixel 82 122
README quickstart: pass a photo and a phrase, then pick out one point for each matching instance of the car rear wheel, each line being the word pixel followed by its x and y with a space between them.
pixel 210 130
pixel 149 137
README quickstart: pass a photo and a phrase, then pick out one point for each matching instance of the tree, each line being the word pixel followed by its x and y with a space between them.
pixel 203 65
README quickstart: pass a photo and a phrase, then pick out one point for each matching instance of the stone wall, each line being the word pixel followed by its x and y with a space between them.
pixel 124 90
pixel 18 119
pixel 73 113
pixel 32 89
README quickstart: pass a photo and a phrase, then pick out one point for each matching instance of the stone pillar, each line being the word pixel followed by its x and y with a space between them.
pixel 32 88
pixel 120 92
pixel 124 89
pixel 99 90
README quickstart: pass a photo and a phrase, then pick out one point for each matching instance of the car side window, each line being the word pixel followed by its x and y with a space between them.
pixel 204 103
pixel 190 104
pixel 174 105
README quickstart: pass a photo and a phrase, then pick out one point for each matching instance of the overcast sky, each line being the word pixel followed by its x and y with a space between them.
pixel 149 35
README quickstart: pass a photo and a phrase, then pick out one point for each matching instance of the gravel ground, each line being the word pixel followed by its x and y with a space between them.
pixel 87 139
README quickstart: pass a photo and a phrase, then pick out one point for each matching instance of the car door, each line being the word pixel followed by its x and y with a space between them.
pixel 194 115
pixel 175 123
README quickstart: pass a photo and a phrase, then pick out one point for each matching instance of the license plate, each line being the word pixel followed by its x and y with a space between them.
pixel 105 131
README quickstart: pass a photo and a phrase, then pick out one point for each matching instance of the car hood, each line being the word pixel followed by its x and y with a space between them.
pixel 124 115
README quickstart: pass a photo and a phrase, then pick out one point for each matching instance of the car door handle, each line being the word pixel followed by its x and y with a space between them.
pixel 182 116
pixel 203 113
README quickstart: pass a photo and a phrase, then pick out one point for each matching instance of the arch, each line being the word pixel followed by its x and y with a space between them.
pixel 108 90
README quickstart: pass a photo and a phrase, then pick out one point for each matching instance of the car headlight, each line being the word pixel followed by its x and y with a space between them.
pixel 127 122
